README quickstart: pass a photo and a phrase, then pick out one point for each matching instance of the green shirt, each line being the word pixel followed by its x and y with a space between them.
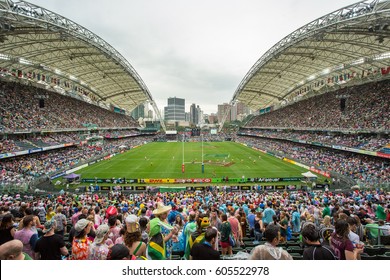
pixel 373 229
pixel 380 213
pixel 326 211
pixel 27 257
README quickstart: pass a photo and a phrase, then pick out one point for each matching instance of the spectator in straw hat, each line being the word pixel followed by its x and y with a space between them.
pixel 161 234
pixel 132 237
pixel 98 250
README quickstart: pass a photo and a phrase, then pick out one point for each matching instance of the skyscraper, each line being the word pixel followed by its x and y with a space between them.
pixel 138 112
pixel 239 111
pixel 175 111
pixel 222 109
pixel 194 117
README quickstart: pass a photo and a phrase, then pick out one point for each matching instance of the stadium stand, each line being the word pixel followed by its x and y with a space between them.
pixel 20 111
pixel 364 206
pixel 366 109
pixel 41 138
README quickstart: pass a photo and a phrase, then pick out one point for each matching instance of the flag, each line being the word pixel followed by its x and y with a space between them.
pixel 156 245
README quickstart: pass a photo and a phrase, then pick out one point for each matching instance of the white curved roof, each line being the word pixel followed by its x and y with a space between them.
pixel 37 41
pixel 353 40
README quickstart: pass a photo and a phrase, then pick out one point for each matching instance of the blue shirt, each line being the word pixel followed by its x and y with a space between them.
pixel 251 220
pixel 267 215
pixel 296 222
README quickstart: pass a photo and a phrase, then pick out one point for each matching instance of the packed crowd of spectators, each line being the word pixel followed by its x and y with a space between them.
pixel 121 133
pixel 22 169
pixel 8 145
pixel 366 108
pixel 211 224
pixel 360 141
pixel 31 141
pixel 366 169
pixel 24 142
pixel 19 110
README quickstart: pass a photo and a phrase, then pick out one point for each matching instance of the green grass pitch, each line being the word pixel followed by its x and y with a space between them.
pixel 164 160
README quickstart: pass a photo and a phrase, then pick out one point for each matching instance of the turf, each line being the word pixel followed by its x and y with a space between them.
pixel 164 160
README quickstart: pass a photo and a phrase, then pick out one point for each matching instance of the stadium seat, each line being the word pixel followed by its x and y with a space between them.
pixel 383 257
pixel 178 253
pixel 372 251
pixel 292 243
pixel 385 240
pixel 368 257
pixel 295 249
pixel 296 256
pixel 295 239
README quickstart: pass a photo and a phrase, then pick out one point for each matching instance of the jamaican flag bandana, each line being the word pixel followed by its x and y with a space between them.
pixel 156 246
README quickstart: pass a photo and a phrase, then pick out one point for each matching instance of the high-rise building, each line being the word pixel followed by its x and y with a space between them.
pixel 212 118
pixel 222 109
pixel 239 111
pixel 138 112
pixel 194 115
pixel 175 111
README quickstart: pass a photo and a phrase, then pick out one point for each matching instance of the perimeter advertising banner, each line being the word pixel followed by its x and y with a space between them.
pixel 190 180
pixel 323 173
pixel 7 155
pixel 109 181
pixel 379 154
pixel 117 188
pixel 216 180
pixel 159 181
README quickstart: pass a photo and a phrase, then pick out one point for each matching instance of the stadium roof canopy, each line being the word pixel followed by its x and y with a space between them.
pixel 39 46
pixel 346 47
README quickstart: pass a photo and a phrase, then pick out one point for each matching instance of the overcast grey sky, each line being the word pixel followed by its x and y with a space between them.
pixel 199 50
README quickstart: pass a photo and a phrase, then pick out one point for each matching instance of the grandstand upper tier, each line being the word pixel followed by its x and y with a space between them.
pixel 342 49
pixel 365 109
pixel 20 112
pixel 46 50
